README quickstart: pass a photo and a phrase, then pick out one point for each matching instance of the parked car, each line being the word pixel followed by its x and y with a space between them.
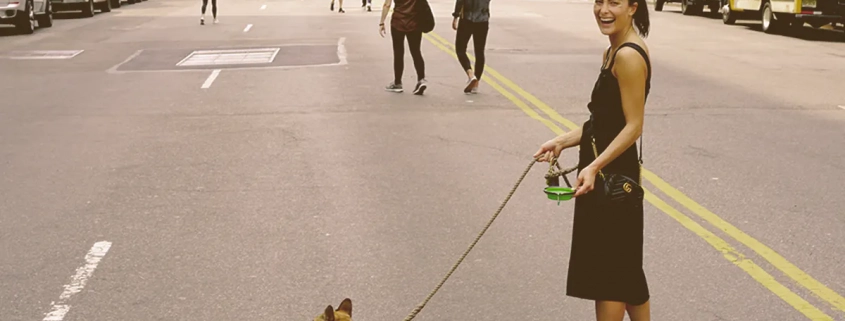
pixel 26 15
pixel 87 6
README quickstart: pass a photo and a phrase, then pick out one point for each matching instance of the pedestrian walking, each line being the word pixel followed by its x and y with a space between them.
pixel 213 11
pixel 471 20
pixel 339 6
pixel 405 24
pixel 368 4
pixel 606 258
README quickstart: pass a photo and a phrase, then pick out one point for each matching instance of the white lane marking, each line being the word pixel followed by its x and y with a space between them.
pixel 263 6
pixel 842 106
pixel 77 282
pixel 210 79
pixel 531 14
pixel 341 50
pixel 249 26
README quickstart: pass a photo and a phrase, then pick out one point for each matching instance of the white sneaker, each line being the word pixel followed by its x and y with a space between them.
pixel 471 84
pixel 216 21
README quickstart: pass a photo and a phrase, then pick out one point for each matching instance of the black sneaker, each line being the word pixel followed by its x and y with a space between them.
pixel 421 86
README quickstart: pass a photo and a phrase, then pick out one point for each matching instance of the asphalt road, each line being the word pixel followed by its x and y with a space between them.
pixel 269 192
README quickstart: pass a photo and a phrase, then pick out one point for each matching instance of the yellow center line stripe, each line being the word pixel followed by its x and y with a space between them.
pixel 542 106
pixel 770 255
pixel 519 103
pixel 741 261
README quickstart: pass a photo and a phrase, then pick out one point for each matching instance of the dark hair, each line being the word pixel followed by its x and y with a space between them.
pixel 641 16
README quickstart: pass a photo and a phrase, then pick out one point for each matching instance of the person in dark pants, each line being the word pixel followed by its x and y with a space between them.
pixel 404 24
pixel 339 7
pixel 213 11
pixel 471 20
pixel 368 4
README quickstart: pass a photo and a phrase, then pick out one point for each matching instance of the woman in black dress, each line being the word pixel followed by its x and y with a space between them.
pixel 606 259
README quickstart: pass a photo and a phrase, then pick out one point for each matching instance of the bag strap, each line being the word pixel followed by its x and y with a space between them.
pixel 647 89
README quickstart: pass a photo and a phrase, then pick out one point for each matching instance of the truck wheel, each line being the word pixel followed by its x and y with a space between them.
pixel 728 16
pixel 658 5
pixel 770 23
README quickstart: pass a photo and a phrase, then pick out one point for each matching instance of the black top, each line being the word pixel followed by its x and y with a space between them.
pixel 472 10
pixel 607 119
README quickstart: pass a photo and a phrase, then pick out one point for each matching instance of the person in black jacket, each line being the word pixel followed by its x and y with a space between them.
pixel 471 19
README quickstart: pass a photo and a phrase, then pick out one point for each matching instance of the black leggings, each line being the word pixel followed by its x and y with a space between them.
pixel 213 7
pixel 478 32
pixel 414 43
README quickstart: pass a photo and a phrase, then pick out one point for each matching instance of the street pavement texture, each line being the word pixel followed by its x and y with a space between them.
pixel 136 189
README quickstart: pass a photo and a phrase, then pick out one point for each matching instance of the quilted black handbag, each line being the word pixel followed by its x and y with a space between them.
pixel 619 188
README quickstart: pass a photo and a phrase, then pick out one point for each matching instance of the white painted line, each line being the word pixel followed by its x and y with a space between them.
pixel 210 79
pixel 263 6
pixel 113 70
pixel 531 14
pixel 77 282
pixel 341 51
pixel 249 26
pixel 842 106
pixel 44 54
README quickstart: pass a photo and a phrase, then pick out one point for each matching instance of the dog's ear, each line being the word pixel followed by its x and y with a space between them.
pixel 329 314
pixel 346 306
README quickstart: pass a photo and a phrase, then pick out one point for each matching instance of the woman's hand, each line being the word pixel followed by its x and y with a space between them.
pixel 381 29
pixel 586 181
pixel 549 149
pixel 455 24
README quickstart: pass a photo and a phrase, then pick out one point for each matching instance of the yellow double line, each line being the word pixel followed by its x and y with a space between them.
pixel 731 254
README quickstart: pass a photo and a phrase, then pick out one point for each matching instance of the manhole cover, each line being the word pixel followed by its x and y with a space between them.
pixel 230 57
pixel 43 54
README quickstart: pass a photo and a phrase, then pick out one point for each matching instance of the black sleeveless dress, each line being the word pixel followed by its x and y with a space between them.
pixel 606 259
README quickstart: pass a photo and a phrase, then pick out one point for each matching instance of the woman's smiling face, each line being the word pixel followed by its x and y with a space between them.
pixel 613 16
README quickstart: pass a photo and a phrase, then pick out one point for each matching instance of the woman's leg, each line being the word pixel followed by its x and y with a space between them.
pixel 610 311
pixel 639 312
pixel 479 41
pixel 461 41
pixel 398 38
pixel 414 44
pixel 214 9
pixel 204 5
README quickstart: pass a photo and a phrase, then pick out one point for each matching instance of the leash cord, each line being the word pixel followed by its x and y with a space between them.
pixel 430 295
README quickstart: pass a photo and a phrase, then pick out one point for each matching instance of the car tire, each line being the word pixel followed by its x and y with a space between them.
pixel 88 11
pixel 46 20
pixel 26 21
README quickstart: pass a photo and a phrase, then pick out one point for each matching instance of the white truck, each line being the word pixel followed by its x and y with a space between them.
pixel 782 15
